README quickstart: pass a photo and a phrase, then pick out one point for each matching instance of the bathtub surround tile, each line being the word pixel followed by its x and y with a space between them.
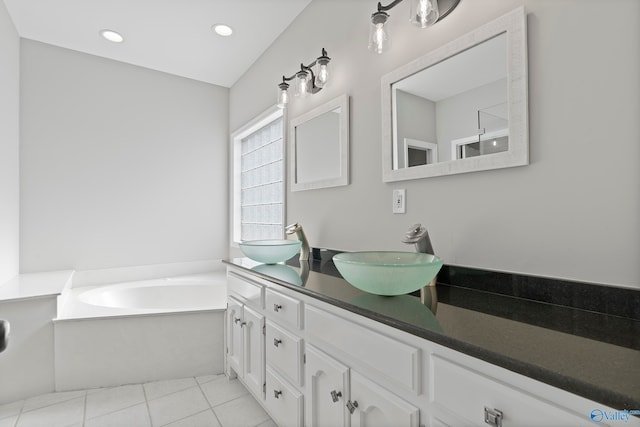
pixel 134 416
pixel 222 390
pixel 243 411
pixel 176 406
pixel 62 414
pixel 158 389
pixel 113 399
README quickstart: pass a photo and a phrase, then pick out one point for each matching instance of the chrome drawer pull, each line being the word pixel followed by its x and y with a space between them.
pixel 277 307
pixel 277 393
pixel 493 417
pixel 351 406
pixel 277 342
pixel 336 395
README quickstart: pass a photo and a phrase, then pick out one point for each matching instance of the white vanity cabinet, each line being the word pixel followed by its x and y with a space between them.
pixel 327 390
pixel 245 333
pixel 338 396
pixel 320 365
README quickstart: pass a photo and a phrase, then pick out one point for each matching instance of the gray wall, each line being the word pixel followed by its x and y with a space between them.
pixel 458 115
pixel 9 146
pixel 119 165
pixel 416 120
pixel 572 213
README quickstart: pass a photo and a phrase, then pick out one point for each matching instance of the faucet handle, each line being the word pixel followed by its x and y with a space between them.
pixel 292 228
pixel 414 229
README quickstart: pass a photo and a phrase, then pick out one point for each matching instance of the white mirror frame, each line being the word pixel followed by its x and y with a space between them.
pixel 341 102
pixel 514 24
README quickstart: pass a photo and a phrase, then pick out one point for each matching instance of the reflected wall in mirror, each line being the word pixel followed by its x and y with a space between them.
pixel 460 108
pixel 319 142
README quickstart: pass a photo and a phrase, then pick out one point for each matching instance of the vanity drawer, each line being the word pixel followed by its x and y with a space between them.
pixel 284 352
pixel 466 393
pixel 246 290
pixel 397 362
pixel 283 401
pixel 284 309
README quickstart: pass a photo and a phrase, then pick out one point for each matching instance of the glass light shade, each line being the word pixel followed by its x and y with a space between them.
pixel 301 85
pixel 424 12
pixel 283 95
pixel 322 74
pixel 378 37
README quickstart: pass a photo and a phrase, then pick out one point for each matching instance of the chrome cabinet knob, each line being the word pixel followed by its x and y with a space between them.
pixel 277 394
pixel 277 307
pixel 493 417
pixel 277 342
pixel 335 395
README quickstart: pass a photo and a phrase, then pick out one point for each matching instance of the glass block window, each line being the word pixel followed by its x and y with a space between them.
pixel 262 183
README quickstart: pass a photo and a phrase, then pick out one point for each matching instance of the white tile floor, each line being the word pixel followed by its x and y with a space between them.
pixel 210 401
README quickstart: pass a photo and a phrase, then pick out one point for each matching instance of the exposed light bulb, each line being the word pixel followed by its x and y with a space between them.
pixel 322 75
pixel 495 143
pixel 378 37
pixel 283 95
pixel 302 82
pixel 424 12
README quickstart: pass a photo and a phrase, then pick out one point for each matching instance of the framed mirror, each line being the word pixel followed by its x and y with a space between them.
pixel 319 146
pixel 460 108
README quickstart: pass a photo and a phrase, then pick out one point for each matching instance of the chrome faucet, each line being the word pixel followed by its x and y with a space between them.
pixel 297 228
pixel 419 236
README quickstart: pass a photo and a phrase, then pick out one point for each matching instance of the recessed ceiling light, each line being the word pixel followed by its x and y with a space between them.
pixel 112 36
pixel 222 30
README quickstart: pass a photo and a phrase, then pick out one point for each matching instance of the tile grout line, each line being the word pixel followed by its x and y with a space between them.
pixel 84 409
pixel 209 403
pixel 146 403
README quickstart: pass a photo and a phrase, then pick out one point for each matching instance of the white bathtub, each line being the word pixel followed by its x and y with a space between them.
pixel 158 295
pixel 140 331
pixel 186 293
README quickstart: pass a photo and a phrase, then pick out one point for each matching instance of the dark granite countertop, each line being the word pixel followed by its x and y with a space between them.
pixel 494 317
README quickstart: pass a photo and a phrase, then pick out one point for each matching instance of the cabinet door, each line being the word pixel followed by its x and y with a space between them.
pixel 377 407
pixel 327 385
pixel 253 351
pixel 234 336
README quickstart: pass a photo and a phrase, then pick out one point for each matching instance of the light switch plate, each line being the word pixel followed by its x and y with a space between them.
pixel 399 201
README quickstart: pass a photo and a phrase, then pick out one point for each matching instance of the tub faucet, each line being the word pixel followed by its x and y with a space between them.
pixel 419 236
pixel 297 228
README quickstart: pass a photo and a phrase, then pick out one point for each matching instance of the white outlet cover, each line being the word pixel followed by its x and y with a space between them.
pixel 399 201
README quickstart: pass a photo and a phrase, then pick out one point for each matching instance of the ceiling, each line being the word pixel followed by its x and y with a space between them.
pixel 173 36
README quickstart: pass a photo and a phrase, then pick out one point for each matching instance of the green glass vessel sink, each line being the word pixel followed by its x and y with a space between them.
pixel 387 273
pixel 270 251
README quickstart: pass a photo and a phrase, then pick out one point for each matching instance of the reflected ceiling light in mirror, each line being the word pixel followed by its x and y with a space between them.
pixel 423 13
pixel 310 79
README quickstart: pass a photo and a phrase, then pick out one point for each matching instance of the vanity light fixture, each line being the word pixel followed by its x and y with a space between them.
pixel 310 79
pixel 423 14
